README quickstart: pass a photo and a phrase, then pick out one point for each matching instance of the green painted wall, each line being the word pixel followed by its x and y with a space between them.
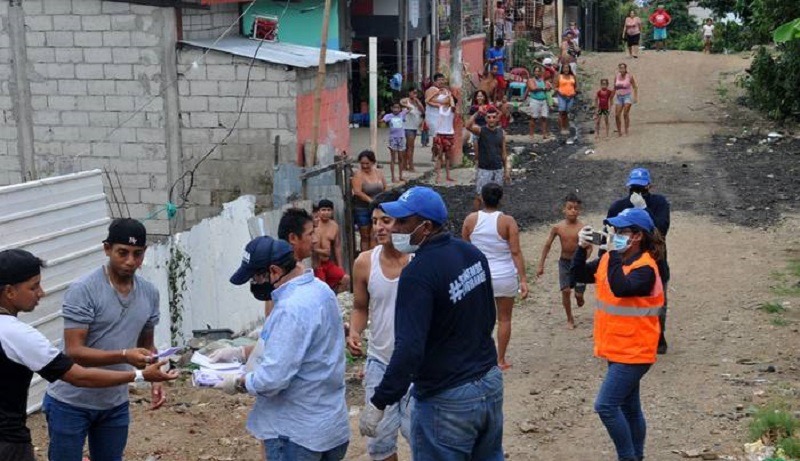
pixel 301 23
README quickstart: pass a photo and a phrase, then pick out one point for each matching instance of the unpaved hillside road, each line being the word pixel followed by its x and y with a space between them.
pixel 697 395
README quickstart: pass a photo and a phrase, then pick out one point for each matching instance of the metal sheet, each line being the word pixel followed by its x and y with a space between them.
pixel 275 52
pixel 62 220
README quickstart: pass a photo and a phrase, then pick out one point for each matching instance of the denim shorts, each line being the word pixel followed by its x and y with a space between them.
pixel 485 177
pixel 565 104
pixel 463 419
pixel 362 217
pixel 623 99
pixel 659 33
pixel 396 417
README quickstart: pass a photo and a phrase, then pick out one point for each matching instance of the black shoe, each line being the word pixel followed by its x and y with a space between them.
pixel 662 347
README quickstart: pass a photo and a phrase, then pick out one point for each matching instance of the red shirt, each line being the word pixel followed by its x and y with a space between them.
pixel 603 97
pixel 660 18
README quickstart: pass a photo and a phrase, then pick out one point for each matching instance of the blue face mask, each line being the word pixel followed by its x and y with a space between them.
pixel 620 242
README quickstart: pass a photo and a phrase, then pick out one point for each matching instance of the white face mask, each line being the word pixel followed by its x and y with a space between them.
pixel 402 242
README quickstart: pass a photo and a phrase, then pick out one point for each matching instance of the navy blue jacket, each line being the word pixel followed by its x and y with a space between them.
pixel 638 282
pixel 444 317
pixel 658 209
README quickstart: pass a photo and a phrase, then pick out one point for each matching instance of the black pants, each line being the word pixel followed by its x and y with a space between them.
pixel 16 451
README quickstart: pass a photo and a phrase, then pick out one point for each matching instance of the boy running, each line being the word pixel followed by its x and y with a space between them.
pixel 567 233
pixel 603 103
pixel 397 138
pixel 328 245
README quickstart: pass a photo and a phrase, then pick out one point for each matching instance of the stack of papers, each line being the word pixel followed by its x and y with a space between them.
pixel 211 373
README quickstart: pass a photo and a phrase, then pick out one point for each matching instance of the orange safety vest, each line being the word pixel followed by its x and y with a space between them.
pixel 626 330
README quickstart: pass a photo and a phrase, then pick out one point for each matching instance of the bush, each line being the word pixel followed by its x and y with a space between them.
pixel 773 85
pixel 790 447
pixel 732 37
pixel 773 424
pixel 688 42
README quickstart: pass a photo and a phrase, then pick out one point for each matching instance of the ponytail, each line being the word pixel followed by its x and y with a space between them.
pixel 653 243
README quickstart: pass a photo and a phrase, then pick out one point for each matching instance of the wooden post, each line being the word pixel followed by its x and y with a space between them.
pixel 492 5
pixel 455 76
pixel 323 51
pixel 373 93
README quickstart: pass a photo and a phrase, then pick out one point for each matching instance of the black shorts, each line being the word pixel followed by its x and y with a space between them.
pixel 16 451
pixel 633 40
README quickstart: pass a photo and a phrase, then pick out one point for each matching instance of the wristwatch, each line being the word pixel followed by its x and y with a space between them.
pixel 139 376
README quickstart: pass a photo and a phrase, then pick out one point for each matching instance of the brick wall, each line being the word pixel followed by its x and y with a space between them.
pixel 334 110
pixel 211 23
pixel 9 160
pixel 210 98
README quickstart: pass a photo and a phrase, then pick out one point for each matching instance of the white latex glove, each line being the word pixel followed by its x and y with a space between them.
pixel 228 355
pixel 585 237
pixel 368 422
pixel 230 385
pixel 638 201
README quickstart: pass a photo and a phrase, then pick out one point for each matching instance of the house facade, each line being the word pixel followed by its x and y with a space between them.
pixel 171 98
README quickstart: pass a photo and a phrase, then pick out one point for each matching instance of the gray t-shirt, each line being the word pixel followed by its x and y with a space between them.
pixel 114 323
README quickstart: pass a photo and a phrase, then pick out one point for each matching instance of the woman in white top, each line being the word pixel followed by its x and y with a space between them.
pixel 411 124
pixel 497 236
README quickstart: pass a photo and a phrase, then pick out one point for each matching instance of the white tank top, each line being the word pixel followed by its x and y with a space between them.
pixel 382 297
pixel 493 246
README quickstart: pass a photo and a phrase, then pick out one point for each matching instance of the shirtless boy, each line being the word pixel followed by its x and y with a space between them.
pixel 567 233
pixel 328 244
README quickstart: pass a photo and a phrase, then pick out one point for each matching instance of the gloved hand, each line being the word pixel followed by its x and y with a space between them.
pixel 585 237
pixel 228 355
pixel 638 201
pixel 368 422
pixel 229 385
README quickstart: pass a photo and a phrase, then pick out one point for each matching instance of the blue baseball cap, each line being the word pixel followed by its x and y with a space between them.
pixel 639 177
pixel 421 201
pixel 259 254
pixel 632 217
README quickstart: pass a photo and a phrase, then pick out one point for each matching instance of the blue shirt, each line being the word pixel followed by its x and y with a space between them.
pixel 299 379
pixel 500 63
pixel 444 317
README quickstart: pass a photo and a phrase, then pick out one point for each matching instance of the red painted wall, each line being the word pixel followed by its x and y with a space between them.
pixel 471 53
pixel 333 121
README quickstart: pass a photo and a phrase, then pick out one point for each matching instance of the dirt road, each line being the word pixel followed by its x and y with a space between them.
pixel 734 232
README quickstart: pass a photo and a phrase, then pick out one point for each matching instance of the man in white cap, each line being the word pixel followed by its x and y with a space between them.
pixel 444 317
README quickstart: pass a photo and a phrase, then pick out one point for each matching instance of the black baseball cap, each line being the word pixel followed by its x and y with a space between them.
pixel 17 266
pixel 127 231
pixel 259 254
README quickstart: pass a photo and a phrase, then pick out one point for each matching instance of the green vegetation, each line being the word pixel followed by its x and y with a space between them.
pixel 779 321
pixel 772 308
pixel 773 424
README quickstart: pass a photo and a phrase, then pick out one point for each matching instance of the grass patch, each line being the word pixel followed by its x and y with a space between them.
pixel 790 447
pixel 788 279
pixel 772 424
pixel 779 321
pixel 772 308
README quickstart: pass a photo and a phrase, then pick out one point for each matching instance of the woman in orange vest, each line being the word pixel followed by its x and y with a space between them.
pixel 630 296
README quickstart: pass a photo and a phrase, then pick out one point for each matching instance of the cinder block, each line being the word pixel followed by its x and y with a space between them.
pixel 123 134
pixel 34 39
pixel 193 103
pixel 92 72
pixel 116 38
pixel 61 71
pixel 143 10
pixel 46 87
pixel 287 121
pixel 125 55
pixel 118 71
pixel 39 23
pixel 97 55
pixel 70 55
pixel 123 22
pixel 93 133
pixel 258 72
pixel 91 103
pixel 65 133
pixel 132 150
pixel 104 118
pixel 30 7
pixel 134 179
pixel 72 87
pixel 46 117
pixel 59 39
pixel 195 73
pixel 37 103
pixel 119 103
pixel 194 136
pixel 228 119
pixel 201 120
pixel 57 7
pixel 150 57
pixel 279 104
pixel 216 57
pixel 76 148
pixel 223 104
pixel 105 149
pixel 232 89
pixel 204 88
pixel 130 195
pixel 277 73
pixel 62 102
pixel 116 7
pixel 130 88
pixel 287 89
pixel 98 23
pixel 88 39
pixel 74 118
pixel 86 7
pixel 220 133
pixel 220 72
pixel 139 38
pixel 67 22
pixel 153 196
pixel 151 135
pixel 255 105
pixel 262 120
pixel 263 88
pixel 39 55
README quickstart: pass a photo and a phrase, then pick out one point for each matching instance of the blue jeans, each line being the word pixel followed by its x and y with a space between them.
pixel 283 449
pixel 462 423
pixel 620 409
pixel 396 417
pixel 68 427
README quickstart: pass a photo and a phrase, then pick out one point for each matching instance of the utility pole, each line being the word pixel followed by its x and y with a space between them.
pixel 323 51
pixel 455 73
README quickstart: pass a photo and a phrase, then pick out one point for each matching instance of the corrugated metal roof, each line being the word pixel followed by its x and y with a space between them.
pixel 275 52
pixel 62 220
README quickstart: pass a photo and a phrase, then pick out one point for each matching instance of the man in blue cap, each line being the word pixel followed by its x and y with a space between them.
pixel 444 318
pixel 657 206
pixel 298 381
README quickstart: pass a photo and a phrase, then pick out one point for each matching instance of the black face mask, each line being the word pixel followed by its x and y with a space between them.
pixel 638 189
pixel 262 291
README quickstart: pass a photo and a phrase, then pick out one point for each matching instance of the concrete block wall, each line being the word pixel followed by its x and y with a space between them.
pixel 211 23
pixel 210 101
pixel 10 171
